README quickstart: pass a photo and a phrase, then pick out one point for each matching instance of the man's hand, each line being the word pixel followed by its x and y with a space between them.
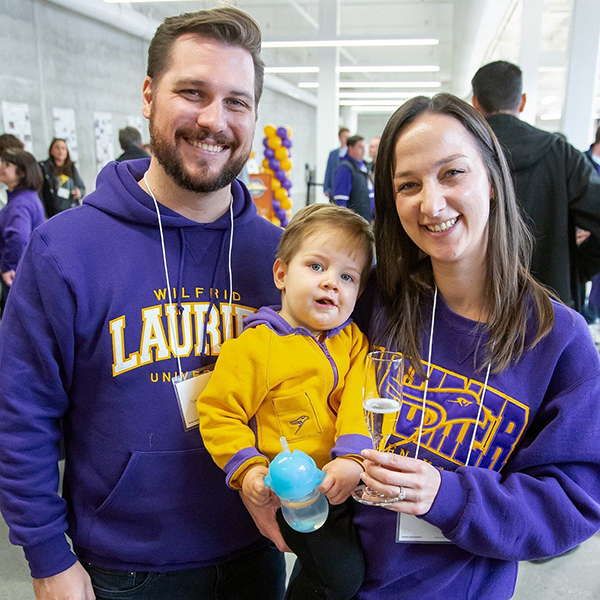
pixel 264 518
pixel 8 277
pixel 72 584
pixel 343 475
pixel 254 486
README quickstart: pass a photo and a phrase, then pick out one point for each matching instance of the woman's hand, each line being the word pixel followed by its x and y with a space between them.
pixel 386 473
pixel 76 193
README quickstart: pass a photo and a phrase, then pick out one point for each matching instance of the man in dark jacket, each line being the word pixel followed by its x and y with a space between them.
pixel 353 185
pixel 131 144
pixel 556 186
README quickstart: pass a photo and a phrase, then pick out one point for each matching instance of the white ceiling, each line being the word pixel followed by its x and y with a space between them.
pixel 470 33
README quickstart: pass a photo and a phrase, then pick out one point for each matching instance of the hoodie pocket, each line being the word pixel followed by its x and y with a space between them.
pixel 170 508
pixel 297 417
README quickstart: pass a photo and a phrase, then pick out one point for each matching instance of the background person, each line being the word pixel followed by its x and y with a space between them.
pixel 506 429
pixel 130 141
pixel 353 187
pixel 63 187
pixel 22 176
pixel 7 140
pixel 556 186
pixel 333 162
pixel 111 301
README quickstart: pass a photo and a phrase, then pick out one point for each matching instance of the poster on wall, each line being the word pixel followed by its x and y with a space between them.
pixel 64 128
pixel 16 121
pixel 136 121
pixel 103 135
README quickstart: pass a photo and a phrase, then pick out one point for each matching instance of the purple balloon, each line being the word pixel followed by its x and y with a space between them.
pixel 269 153
pixel 282 132
pixel 276 204
pixel 281 213
pixel 280 174
pixel 284 222
pixel 287 183
pixel 286 143
pixel 266 142
pixel 274 164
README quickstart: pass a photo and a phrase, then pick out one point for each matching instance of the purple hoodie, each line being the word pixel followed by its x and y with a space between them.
pixel 85 340
pixel 532 487
pixel 21 215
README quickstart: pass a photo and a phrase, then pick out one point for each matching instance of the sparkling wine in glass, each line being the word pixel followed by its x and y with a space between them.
pixel 382 399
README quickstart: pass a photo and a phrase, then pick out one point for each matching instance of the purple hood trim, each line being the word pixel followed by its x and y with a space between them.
pixel 269 316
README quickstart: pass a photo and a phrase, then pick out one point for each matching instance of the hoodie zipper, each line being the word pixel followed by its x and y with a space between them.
pixel 325 351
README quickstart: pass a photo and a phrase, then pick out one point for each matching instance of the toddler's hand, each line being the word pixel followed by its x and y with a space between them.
pixel 253 485
pixel 343 475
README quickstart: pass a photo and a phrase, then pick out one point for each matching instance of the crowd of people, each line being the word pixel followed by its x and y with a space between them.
pixel 496 449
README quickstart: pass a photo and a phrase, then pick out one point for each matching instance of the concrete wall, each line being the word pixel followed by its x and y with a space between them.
pixel 52 57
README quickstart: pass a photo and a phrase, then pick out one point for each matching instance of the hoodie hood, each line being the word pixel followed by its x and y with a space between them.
pixel 119 194
pixel 524 145
pixel 269 316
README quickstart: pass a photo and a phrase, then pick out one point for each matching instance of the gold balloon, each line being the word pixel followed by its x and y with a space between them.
pixel 265 163
pixel 286 164
pixel 281 153
pixel 286 204
pixel 270 130
pixel 274 142
pixel 289 130
pixel 275 183
pixel 281 194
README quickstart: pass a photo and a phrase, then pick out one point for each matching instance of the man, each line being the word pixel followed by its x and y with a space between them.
pixel 333 162
pixel 111 302
pixel 353 185
pixel 555 185
pixel 373 148
pixel 131 144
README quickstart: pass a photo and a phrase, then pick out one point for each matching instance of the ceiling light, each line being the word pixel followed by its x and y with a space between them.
pixel 379 109
pixel 372 95
pixel 550 69
pixel 291 69
pixel 367 103
pixel 351 43
pixel 389 69
pixel 551 117
pixel 548 100
pixel 308 84
pixel 390 84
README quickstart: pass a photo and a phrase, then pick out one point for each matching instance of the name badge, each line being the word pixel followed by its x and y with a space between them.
pixel 410 530
pixel 188 391
pixel 63 193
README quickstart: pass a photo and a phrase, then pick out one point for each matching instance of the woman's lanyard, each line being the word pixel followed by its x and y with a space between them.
pixel 429 369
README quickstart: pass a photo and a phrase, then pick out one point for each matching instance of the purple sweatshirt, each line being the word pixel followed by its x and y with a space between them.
pixel 533 487
pixel 21 215
pixel 85 340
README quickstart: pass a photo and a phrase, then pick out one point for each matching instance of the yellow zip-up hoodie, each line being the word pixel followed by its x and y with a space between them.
pixel 274 380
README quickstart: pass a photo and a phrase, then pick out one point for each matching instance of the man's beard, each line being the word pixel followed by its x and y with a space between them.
pixel 170 159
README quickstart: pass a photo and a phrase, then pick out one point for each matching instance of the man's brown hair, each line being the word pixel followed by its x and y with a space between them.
pixel 339 222
pixel 226 24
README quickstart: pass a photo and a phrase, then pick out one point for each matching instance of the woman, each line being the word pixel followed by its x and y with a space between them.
pixel 501 377
pixel 63 187
pixel 23 212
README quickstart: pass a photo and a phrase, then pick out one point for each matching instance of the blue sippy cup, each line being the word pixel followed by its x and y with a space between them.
pixel 294 477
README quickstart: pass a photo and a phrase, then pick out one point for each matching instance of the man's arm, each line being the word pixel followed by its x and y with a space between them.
pixel 343 185
pixel 583 188
pixel 330 174
pixel 72 584
pixel 36 359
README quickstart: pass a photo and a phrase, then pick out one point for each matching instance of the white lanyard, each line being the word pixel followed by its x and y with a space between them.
pixel 429 369
pixel 164 253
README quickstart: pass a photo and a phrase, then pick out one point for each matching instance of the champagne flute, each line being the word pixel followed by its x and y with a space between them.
pixel 382 399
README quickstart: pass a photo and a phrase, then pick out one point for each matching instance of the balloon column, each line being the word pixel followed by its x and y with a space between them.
pixel 277 163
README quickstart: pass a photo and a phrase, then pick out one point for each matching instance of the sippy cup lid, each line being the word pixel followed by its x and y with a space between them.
pixel 293 474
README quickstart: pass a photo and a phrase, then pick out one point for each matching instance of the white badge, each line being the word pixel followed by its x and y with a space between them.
pixel 410 530
pixel 188 391
pixel 63 192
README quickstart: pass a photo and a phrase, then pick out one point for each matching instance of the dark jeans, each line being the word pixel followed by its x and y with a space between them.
pixel 259 575
pixel 330 560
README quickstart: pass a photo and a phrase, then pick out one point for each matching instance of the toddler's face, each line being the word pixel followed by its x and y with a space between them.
pixel 321 282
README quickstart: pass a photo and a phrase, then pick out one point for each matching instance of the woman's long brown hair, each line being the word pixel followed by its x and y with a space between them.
pixel 511 295
pixel 68 167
